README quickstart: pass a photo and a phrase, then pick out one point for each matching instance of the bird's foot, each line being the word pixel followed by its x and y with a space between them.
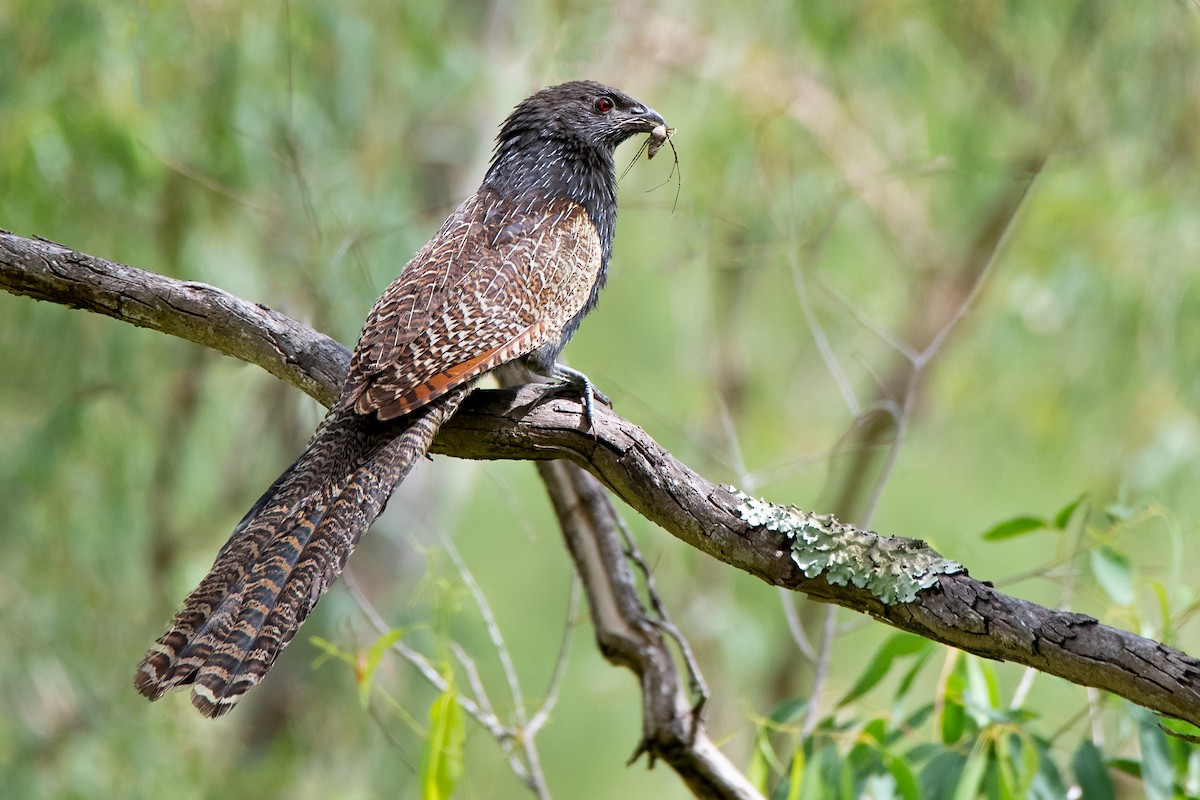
pixel 588 393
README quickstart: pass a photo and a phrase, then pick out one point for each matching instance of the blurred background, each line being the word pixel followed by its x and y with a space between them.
pixel 931 265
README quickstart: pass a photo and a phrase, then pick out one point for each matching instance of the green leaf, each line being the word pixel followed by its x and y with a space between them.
pixel 906 682
pixel 1180 729
pixel 973 772
pixel 1066 512
pixel 442 755
pixel 845 774
pixel 981 684
pixel 911 723
pixel 906 782
pixel 941 774
pixel 896 645
pixel 758 771
pixel 788 711
pixel 1157 774
pixel 1091 773
pixel 1017 526
pixel 796 775
pixel 1029 762
pixel 330 650
pixel 1008 783
pixel 1017 759
pixel 1048 783
pixel 375 653
pixel 1114 573
pixel 875 731
pixel 954 720
pixel 821 773
pixel 1130 766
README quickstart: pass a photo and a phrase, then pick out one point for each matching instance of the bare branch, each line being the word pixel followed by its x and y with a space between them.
pixel 630 635
pixel 627 636
pixel 957 609
pixel 200 313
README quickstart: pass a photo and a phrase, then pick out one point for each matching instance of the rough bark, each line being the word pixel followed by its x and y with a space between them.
pixel 956 609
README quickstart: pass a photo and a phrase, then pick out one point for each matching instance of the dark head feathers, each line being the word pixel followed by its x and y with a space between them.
pixel 559 142
pixel 582 113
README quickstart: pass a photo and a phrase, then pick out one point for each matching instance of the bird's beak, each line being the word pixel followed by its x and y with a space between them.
pixel 647 118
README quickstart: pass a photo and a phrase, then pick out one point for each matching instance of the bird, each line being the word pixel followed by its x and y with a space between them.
pixel 506 280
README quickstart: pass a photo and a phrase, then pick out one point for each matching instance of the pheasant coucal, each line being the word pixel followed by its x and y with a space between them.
pixel 507 277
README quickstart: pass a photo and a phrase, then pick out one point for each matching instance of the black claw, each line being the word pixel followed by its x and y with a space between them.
pixel 588 393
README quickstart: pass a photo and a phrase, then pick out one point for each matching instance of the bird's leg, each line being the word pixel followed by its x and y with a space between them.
pixel 583 384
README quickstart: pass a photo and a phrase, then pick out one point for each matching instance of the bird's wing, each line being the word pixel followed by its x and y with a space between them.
pixel 497 282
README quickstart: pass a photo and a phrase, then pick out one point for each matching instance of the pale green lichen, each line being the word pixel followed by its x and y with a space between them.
pixel 891 568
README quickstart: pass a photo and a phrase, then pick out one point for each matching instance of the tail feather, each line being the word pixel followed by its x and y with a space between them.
pixel 284 555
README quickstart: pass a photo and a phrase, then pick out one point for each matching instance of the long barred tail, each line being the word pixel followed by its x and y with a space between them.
pixel 284 554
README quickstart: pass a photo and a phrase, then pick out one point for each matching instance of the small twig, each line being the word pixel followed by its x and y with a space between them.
pixel 493 629
pixel 662 619
pixel 383 728
pixel 795 627
pixel 527 771
pixel 745 479
pixel 535 780
pixel 821 340
pixel 474 681
pixel 542 715
pixel 532 778
pixel 416 659
pixel 821 671
pixel 1023 688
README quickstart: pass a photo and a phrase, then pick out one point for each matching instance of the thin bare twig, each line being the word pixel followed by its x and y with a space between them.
pixel 821 340
pixel 542 715
pixel 478 690
pixel 535 779
pixel 527 770
pixel 418 660
pixel 821 671
pixel 493 630
pixel 796 628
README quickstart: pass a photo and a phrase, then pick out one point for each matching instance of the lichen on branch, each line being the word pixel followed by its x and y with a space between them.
pixel 892 568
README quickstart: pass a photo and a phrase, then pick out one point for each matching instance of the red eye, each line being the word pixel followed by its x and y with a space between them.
pixel 604 104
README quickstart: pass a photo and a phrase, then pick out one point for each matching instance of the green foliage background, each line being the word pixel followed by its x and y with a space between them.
pixel 298 154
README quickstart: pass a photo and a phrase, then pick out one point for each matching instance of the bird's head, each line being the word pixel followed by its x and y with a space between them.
pixel 559 143
pixel 581 115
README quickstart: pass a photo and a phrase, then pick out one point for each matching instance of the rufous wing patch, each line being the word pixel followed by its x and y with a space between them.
pixel 386 405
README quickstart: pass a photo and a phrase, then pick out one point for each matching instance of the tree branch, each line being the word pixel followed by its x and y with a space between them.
pixel 251 332
pixel 671 730
pixel 952 608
